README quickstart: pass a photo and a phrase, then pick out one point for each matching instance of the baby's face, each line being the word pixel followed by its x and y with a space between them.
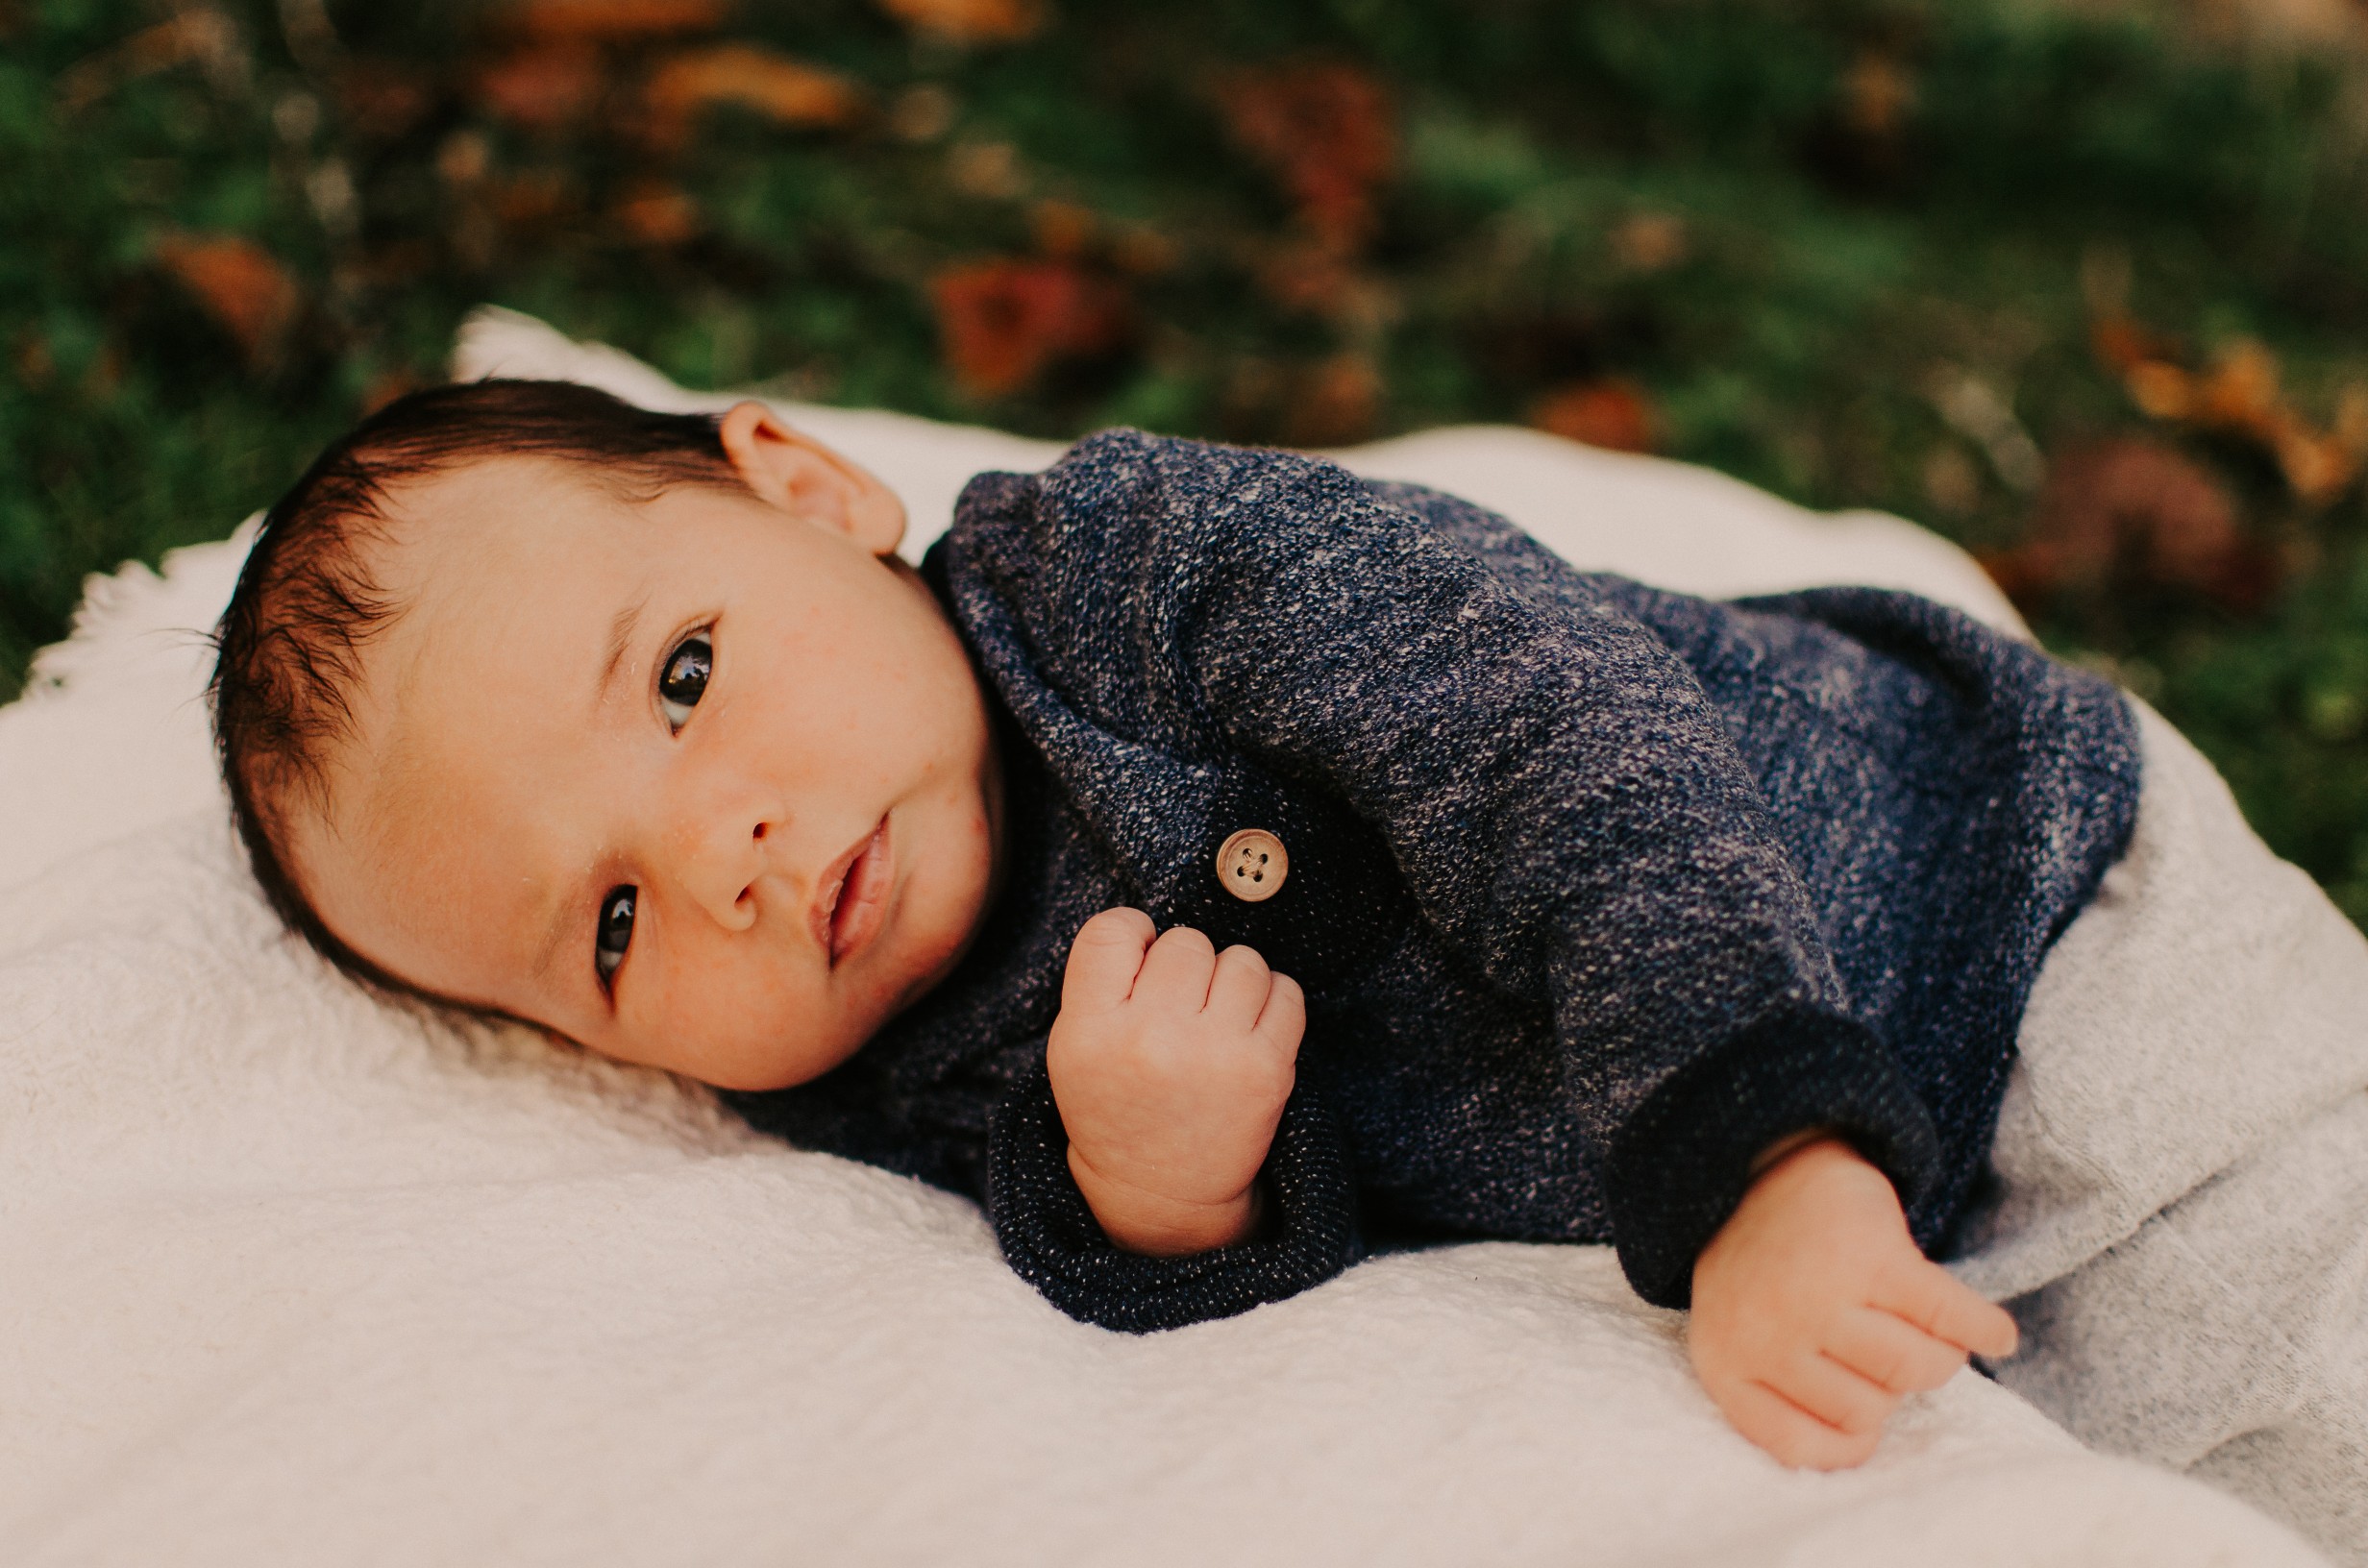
pixel 705 783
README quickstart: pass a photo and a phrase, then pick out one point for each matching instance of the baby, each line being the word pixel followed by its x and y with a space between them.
pixel 1221 866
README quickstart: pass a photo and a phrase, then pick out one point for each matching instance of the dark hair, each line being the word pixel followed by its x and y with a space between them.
pixel 289 650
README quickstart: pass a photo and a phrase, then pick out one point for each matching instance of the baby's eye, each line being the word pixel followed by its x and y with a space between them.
pixel 616 932
pixel 684 679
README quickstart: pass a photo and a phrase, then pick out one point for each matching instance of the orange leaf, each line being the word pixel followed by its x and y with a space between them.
pixel 2123 343
pixel 2240 395
pixel 969 21
pixel 238 284
pixel 782 90
pixel 542 88
pixel 1327 132
pixel 1005 321
pixel 1606 413
pixel 616 19
pixel 659 214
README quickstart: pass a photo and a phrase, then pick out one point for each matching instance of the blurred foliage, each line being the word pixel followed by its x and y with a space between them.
pixel 2088 294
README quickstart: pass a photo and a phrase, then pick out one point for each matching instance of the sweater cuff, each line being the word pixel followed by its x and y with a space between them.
pixel 1682 1163
pixel 1050 1235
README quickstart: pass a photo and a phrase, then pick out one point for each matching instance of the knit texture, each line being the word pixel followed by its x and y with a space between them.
pixel 1595 890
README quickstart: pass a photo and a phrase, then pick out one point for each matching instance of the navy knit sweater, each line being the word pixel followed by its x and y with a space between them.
pixel 1594 890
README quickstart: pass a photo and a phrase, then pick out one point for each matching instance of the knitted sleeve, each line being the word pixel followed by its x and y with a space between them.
pixel 1549 777
pixel 1051 1240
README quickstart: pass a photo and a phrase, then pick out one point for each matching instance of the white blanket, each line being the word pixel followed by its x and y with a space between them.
pixel 287 1276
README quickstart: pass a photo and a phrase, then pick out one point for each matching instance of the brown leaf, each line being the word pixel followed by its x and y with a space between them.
pixel 238 284
pixel 1003 321
pixel 2130 512
pixel 2124 344
pixel 1328 132
pixel 784 91
pixel 656 213
pixel 1877 92
pixel 969 21
pixel 380 101
pixel 1063 230
pixel 614 20
pixel 534 197
pixel 1333 402
pixel 1321 403
pixel 544 87
pixel 35 363
pixel 1610 413
pixel 2239 394
pixel 1649 242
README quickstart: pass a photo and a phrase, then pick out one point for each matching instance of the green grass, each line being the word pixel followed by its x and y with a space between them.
pixel 1854 199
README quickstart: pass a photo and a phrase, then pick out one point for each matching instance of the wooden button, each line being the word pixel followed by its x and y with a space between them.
pixel 1252 864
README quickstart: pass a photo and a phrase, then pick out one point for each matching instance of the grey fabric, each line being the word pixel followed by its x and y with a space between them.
pixel 2181 1224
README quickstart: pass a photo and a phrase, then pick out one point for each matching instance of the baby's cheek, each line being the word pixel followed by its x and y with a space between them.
pixel 746 1024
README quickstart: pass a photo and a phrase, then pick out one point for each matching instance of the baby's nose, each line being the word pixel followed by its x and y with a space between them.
pixel 724 860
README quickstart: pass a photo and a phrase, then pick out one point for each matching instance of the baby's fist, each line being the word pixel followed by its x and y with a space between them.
pixel 1171 1063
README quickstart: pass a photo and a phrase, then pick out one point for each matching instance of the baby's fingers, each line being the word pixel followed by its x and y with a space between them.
pixel 1935 1300
pixel 1239 987
pixel 1177 970
pixel 1285 1019
pixel 1105 959
pixel 1834 1394
pixel 1892 1351
pixel 1791 1434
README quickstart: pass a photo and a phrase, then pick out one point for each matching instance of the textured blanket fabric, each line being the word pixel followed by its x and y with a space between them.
pixel 1595 890
pixel 293 1279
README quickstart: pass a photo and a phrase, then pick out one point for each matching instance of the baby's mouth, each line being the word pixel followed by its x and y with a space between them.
pixel 852 901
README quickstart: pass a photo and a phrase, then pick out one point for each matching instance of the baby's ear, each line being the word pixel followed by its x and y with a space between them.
pixel 801 476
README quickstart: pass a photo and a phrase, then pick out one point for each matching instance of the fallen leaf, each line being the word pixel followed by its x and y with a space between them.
pixel 1327 132
pixel 534 197
pixel 1611 413
pixel 2124 344
pixel 544 87
pixel 35 363
pixel 614 20
pixel 1063 230
pixel 1877 91
pixel 1003 321
pixel 969 21
pixel 2131 512
pixel 1314 280
pixel 2240 394
pixel 784 91
pixel 656 213
pixel 380 101
pixel 238 284
pixel 1333 402
pixel 1650 242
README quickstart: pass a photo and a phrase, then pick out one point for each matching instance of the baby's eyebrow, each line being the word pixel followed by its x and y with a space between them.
pixel 558 923
pixel 619 638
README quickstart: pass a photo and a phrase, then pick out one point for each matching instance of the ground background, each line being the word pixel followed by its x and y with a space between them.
pixel 2084 285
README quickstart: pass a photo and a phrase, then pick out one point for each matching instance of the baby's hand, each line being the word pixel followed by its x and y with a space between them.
pixel 1813 1313
pixel 1171 1063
